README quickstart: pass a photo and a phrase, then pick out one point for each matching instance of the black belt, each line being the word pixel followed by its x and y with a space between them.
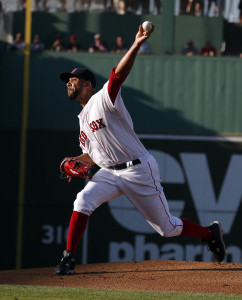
pixel 126 165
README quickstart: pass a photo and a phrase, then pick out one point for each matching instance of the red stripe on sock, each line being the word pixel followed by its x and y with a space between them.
pixel 78 224
pixel 194 230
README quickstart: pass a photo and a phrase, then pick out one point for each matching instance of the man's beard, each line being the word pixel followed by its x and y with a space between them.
pixel 73 93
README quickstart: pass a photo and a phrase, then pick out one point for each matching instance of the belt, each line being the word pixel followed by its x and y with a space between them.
pixel 126 165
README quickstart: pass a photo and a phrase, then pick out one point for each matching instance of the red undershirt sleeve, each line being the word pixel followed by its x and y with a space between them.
pixel 115 82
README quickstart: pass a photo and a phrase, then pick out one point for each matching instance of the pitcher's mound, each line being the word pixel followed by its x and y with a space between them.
pixel 197 277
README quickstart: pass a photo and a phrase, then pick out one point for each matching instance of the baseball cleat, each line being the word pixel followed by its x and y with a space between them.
pixel 216 243
pixel 66 265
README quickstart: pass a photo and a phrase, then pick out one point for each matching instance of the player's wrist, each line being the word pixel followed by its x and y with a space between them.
pixel 135 47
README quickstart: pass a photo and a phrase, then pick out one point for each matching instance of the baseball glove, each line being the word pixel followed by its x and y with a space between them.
pixel 71 167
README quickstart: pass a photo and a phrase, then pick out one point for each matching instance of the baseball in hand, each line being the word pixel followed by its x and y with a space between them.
pixel 147 26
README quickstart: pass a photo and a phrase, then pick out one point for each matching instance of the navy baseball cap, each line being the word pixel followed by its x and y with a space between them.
pixel 80 73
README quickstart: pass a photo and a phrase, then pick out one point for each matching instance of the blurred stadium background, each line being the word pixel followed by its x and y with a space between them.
pixel 186 110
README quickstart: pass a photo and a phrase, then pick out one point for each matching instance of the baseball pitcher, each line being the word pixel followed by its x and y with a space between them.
pixel 125 166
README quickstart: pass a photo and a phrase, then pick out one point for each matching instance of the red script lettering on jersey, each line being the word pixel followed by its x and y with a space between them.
pixel 98 124
pixel 82 138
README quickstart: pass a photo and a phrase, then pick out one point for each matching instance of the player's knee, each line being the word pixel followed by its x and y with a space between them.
pixel 171 231
pixel 82 206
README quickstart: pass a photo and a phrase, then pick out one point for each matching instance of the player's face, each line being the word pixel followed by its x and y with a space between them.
pixel 74 87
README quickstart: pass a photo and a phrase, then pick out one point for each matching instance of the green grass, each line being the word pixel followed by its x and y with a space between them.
pixel 21 292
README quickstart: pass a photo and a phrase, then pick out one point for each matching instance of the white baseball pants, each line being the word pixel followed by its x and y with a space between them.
pixel 141 185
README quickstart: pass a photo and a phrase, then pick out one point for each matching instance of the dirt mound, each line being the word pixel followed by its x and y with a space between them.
pixel 141 275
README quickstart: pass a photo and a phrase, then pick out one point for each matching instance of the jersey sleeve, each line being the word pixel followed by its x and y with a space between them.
pixel 114 84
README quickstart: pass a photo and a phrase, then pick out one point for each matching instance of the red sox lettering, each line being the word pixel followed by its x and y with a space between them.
pixel 82 138
pixel 98 124
pixel 94 125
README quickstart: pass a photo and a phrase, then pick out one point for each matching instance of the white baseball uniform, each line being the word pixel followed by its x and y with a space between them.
pixel 107 135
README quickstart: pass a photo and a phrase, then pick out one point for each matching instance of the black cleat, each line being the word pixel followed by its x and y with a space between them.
pixel 66 265
pixel 216 243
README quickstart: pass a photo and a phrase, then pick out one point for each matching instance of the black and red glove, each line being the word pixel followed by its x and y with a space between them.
pixel 71 167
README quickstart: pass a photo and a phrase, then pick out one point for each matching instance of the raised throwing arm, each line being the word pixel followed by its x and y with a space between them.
pixel 126 63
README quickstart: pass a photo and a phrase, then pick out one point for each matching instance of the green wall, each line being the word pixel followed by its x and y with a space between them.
pixel 172 94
